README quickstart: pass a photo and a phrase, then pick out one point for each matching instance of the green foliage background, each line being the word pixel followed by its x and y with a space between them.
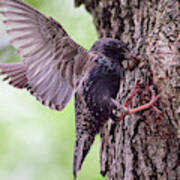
pixel 37 143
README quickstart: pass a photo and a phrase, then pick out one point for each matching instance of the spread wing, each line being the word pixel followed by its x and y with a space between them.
pixel 53 64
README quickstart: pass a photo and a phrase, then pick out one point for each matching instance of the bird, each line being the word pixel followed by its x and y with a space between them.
pixel 54 68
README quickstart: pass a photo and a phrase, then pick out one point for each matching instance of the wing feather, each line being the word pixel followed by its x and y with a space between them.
pixel 53 64
pixel 15 73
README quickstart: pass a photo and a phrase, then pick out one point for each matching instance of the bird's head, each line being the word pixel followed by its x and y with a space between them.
pixel 112 48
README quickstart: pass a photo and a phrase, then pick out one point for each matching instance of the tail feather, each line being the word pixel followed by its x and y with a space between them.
pixel 82 147
pixel 15 73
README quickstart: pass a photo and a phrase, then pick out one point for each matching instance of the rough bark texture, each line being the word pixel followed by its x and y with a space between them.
pixel 145 145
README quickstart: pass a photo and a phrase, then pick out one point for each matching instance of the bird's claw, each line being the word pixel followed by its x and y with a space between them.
pixel 148 105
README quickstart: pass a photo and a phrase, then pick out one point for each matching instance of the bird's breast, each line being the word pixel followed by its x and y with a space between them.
pixel 101 85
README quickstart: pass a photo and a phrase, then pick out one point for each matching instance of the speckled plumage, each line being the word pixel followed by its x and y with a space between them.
pixel 54 67
pixel 93 101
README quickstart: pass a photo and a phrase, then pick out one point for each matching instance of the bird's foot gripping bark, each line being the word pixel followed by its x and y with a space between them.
pixel 128 103
pixel 148 105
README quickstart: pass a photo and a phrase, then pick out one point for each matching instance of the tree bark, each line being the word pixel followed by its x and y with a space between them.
pixel 145 145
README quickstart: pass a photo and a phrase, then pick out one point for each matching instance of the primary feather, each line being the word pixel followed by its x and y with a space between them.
pixel 53 63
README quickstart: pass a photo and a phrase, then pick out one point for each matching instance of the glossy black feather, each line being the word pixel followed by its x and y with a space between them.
pixel 93 101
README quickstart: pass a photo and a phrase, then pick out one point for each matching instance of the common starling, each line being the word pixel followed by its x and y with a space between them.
pixel 54 68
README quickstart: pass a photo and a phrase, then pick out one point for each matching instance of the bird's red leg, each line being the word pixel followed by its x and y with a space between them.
pixel 131 95
pixel 145 106
pixel 129 98
pixel 140 108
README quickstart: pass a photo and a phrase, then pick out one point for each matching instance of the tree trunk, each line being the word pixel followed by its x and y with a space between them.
pixel 145 145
